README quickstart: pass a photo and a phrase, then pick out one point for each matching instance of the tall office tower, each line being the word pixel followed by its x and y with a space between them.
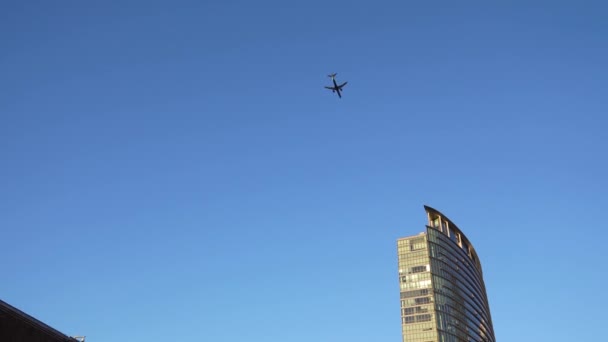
pixel 443 296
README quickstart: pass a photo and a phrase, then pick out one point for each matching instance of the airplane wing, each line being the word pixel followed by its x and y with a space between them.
pixel 342 85
pixel 330 88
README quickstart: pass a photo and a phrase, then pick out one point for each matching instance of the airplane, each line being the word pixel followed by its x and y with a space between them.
pixel 336 87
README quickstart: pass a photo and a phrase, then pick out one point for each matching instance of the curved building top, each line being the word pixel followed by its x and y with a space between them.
pixel 440 222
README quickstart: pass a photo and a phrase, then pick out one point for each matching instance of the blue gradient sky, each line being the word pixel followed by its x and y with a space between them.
pixel 176 171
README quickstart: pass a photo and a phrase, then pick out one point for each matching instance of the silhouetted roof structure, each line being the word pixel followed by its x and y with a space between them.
pixel 16 325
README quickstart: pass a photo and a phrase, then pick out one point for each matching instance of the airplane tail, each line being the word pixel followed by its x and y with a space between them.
pixel 332 75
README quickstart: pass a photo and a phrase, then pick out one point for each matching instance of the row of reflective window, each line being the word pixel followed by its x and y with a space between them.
pixel 460 326
pixel 456 238
pixel 427 336
pixel 416 319
pixel 415 301
pixel 443 250
pixel 467 287
pixel 459 291
pixel 415 310
pixel 445 290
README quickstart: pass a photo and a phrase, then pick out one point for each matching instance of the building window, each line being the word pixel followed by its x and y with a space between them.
pixel 423 318
pixel 422 309
pixel 465 246
pixel 418 269
pixel 415 293
pixel 423 300
pixel 417 244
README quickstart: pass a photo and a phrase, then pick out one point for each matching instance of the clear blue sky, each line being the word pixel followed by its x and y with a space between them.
pixel 176 170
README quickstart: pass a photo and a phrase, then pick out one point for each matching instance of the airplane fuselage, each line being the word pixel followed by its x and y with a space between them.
pixel 336 86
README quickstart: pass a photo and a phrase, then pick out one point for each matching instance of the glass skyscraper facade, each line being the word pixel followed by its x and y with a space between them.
pixel 443 296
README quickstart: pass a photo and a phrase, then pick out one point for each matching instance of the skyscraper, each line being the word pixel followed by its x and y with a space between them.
pixel 443 296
